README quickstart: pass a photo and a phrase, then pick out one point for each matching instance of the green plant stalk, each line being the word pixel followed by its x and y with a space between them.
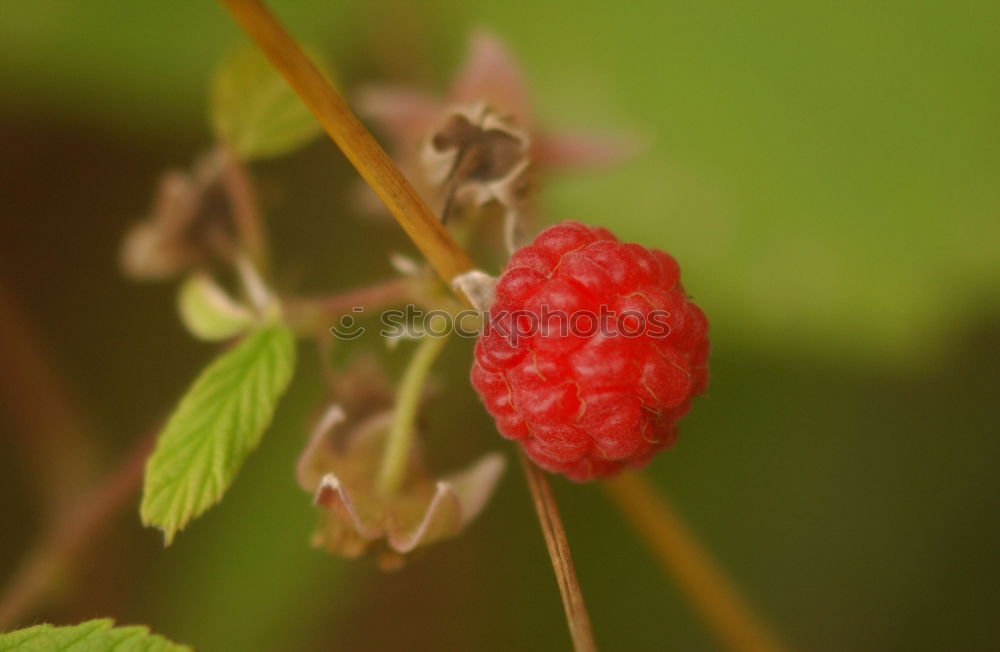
pixel 400 439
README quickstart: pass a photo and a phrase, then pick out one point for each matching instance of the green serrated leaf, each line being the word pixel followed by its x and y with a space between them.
pixel 255 111
pixel 208 312
pixel 91 636
pixel 215 426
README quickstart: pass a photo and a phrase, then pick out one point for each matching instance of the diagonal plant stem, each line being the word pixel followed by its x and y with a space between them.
pixel 59 452
pixel 555 540
pixel 397 451
pixel 243 204
pixel 413 215
pixel 353 139
pixel 317 313
pixel 69 534
pixel 49 424
pixel 677 550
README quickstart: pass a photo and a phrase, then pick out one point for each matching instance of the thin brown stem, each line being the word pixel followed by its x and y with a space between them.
pixel 675 547
pixel 426 231
pixel 352 137
pixel 313 314
pixel 47 420
pixel 68 536
pixel 245 210
pixel 562 561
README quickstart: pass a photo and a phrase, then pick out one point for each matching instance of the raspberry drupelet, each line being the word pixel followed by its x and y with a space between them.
pixel 592 352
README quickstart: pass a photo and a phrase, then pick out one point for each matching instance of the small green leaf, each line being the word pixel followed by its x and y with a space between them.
pixel 208 312
pixel 255 111
pixel 91 636
pixel 215 426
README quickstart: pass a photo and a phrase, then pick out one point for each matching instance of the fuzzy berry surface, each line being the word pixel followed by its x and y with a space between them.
pixel 592 394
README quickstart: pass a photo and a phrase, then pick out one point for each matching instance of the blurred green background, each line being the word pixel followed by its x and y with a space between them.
pixel 827 175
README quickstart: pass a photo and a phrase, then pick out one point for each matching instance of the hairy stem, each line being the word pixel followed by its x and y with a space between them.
pixel 678 552
pixel 399 443
pixel 562 561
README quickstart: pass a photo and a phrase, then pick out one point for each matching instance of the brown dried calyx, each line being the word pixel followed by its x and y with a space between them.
pixel 479 142
pixel 187 227
pixel 339 467
pixel 478 157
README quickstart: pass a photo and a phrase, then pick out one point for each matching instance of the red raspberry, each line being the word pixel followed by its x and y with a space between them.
pixel 575 362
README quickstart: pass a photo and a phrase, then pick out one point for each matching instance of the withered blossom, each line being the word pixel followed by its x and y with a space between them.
pixel 187 225
pixel 339 467
pixel 476 157
pixel 479 144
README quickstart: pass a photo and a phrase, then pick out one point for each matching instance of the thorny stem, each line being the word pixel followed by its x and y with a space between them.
pixel 677 550
pixel 562 561
pixel 392 470
pixel 69 535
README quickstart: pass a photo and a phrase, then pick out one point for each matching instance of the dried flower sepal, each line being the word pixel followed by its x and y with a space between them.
pixel 339 467
pixel 479 144
pixel 476 157
pixel 188 224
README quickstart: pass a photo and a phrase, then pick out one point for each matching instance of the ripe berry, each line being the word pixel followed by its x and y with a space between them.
pixel 592 352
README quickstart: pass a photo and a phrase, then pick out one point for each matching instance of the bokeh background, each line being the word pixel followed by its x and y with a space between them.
pixel 827 175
